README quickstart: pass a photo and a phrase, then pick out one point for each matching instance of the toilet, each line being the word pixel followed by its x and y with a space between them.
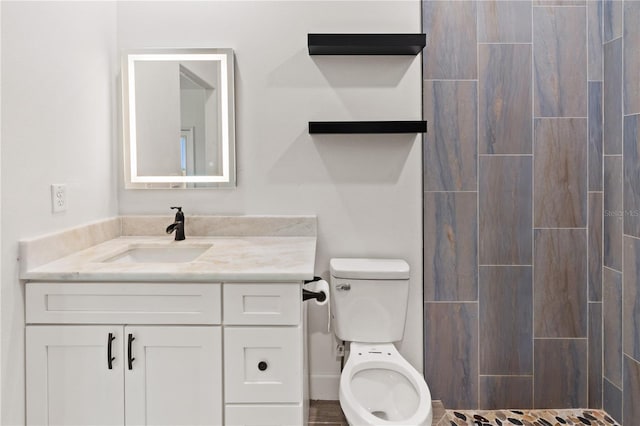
pixel 369 305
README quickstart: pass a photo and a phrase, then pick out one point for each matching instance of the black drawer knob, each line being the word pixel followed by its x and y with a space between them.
pixel 262 365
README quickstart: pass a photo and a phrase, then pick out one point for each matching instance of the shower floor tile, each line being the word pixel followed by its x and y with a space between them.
pixel 572 417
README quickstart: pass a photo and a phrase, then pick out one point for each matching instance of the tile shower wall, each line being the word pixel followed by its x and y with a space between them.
pixel 531 161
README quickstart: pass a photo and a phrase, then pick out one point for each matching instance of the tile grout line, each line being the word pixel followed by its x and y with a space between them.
pixel 559 118
pixel 560 338
pixel 477 131
pixel 601 3
pixel 579 228
pixel 612 269
pixel 624 219
pixel 515 43
pixel 532 85
pixel 631 236
pixel 612 384
pixel 588 169
pixel 505 265
pixel 449 192
pixel 613 39
pixel 505 155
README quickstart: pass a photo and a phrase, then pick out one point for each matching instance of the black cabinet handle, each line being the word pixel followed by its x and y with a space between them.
pixel 109 357
pixel 262 365
pixel 130 353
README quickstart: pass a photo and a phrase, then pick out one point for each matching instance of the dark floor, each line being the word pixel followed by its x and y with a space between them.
pixel 328 413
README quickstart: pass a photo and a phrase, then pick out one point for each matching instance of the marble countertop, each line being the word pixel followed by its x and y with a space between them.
pixel 229 258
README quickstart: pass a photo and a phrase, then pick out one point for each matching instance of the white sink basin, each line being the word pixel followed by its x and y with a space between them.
pixel 141 254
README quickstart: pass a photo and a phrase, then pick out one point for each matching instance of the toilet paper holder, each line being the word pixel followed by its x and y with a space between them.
pixel 320 296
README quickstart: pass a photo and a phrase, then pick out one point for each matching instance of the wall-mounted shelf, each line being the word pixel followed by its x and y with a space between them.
pixel 366 44
pixel 333 127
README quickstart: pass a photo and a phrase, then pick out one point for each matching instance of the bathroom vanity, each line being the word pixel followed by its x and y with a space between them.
pixel 141 329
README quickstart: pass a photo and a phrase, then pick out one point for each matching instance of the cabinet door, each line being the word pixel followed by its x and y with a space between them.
pixel 69 381
pixel 175 377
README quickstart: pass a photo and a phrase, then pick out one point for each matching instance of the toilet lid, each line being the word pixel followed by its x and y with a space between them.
pixel 370 269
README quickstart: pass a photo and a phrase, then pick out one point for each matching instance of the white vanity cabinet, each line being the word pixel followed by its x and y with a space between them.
pixel 165 354
pixel 174 377
pixel 264 355
pixel 125 364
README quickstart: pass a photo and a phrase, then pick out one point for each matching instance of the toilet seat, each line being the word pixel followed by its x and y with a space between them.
pixel 403 398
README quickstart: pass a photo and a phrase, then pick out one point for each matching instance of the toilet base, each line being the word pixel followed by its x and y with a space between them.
pixel 379 387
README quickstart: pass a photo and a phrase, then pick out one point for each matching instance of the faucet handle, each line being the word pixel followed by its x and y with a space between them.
pixel 179 214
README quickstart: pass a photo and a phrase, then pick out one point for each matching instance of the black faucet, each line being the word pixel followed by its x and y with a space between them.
pixel 177 225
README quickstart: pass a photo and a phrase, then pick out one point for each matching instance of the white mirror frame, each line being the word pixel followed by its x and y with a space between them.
pixel 228 177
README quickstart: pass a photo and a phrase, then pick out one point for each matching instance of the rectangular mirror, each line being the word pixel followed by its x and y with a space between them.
pixel 178 117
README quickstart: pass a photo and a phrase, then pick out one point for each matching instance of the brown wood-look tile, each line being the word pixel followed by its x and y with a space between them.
pixel 560 378
pixel 560 84
pixel 506 315
pixel 612 19
pixel 502 392
pixel 631 276
pixel 595 355
pixel 594 28
pixel 450 246
pixel 326 412
pixel 595 246
pixel 451 50
pixel 504 21
pixel 612 94
pixel 613 214
pixel 631 397
pixel 560 184
pixel 505 98
pixel 612 400
pixel 560 281
pixel 505 197
pixel 451 353
pixel 595 136
pixel 439 411
pixel 631 166
pixel 612 325
pixel 631 57
pixel 450 146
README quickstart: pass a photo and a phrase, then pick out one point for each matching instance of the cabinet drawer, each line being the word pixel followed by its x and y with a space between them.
pixel 122 303
pixel 263 415
pixel 261 304
pixel 263 364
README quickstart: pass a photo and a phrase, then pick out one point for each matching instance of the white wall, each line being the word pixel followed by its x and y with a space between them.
pixel 58 106
pixel 366 190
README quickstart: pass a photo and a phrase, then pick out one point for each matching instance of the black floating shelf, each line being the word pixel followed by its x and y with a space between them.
pixel 367 127
pixel 366 44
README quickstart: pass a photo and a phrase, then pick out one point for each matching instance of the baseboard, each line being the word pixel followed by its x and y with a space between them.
pixel 324 387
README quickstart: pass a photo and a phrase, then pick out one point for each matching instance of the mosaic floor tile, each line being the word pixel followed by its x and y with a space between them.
pixel 573 417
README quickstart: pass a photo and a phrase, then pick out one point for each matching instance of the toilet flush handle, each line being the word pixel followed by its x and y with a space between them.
pixel 343 287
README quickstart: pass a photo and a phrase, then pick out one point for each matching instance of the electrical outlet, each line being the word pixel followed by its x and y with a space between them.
pixel 58 197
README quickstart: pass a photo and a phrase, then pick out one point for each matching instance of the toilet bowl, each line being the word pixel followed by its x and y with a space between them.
pixel 379 387
pixel 369 306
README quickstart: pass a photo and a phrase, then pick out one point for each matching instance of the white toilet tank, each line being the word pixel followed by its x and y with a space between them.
pixel 369 299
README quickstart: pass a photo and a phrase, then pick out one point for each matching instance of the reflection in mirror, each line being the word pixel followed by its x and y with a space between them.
pixel 179 118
